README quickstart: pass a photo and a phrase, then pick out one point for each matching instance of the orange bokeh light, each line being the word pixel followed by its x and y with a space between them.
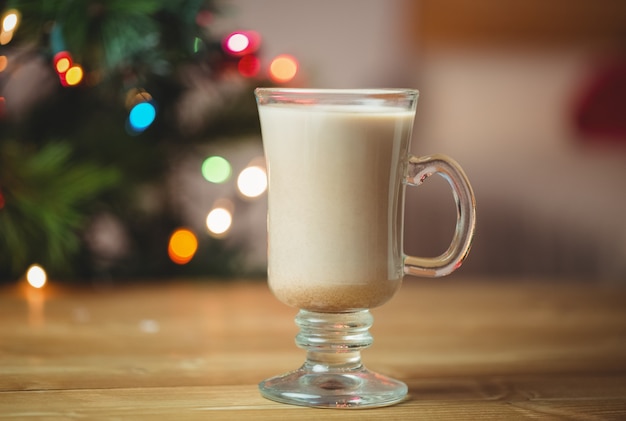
pixel 182 246
pixel 283 68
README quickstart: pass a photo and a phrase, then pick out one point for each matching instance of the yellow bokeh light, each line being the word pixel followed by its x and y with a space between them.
pixel 252 181
pixel 218 221
pixel 63 65
pixel 182 246
pixel 283 68
pixel 36 276
pixel 74 75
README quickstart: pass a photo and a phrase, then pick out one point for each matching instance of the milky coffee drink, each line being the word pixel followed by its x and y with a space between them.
pixel 335 203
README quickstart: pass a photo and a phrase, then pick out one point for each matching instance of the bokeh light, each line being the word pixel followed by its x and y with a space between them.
pixel 219 221
pixel 36 276
pixel 216 169
pixel 60 56
pixel 74 75
pixel 237 42
pixel 5 37
pixel 241 43
pixel 62 65
pixel 182 246
pixel 10 20
pixel 4 62
pixel 141 116
pixel 197 44
pixel 283 68
pixel 249 66
pixel 252 181
pixel 204 18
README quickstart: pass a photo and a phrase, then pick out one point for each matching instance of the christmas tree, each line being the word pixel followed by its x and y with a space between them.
pixel 97 99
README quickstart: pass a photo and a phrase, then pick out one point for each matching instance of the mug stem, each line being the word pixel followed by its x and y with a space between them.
pixel 333 375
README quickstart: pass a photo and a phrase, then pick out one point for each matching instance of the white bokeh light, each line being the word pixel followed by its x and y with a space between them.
pixel 237 43
pixel 252 181
pixel 218 221
pixel 36 276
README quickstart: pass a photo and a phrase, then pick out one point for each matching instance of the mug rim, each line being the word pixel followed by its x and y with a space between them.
pixel 304 96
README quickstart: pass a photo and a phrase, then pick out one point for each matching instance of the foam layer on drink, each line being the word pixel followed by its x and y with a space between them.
pixel 335 203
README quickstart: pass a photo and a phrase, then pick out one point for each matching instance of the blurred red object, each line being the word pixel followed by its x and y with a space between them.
pixel 600 110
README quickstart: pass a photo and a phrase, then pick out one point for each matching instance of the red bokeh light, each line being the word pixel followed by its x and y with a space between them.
pixel 249 66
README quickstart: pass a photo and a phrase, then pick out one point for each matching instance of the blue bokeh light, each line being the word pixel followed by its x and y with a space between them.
pixel 142 116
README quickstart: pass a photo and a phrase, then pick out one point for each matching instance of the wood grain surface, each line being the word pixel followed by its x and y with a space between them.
pixel 467 348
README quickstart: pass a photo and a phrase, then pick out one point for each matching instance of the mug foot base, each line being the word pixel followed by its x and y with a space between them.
pixel 353 389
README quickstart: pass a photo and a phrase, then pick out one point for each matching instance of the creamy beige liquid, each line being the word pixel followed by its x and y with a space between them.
pixel 335 204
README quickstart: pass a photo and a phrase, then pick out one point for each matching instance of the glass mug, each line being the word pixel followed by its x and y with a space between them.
pixel 338 162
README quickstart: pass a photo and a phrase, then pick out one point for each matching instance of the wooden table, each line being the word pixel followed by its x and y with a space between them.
pixel 468 349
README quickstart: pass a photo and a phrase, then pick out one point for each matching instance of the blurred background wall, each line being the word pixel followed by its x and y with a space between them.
pixel 529 96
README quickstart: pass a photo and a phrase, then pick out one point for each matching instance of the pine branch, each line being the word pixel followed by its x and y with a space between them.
pixel 45 204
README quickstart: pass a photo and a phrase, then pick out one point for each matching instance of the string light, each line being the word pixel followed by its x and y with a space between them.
pixel 249 66
pixel 141 116
pixel 252 181
pixel 10 21
pixel 237 43
pixel 36 276
pixel 283 68
pixel 74 75
pixel 220 218
pixel 63 65
pixel 241 43
pixel 182 246
pixel 70 73
pixel 216 169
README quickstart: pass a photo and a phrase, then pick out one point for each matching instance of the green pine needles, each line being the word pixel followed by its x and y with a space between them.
pixel 47 197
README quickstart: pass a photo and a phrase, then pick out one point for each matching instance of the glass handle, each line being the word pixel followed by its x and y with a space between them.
pixel 419 170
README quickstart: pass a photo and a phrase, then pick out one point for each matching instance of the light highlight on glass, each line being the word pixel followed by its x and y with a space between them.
pixel 219 221
pixel 283 68
pixel 182 246
pixel 36 276
pixel 216 169
pixel 252 181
